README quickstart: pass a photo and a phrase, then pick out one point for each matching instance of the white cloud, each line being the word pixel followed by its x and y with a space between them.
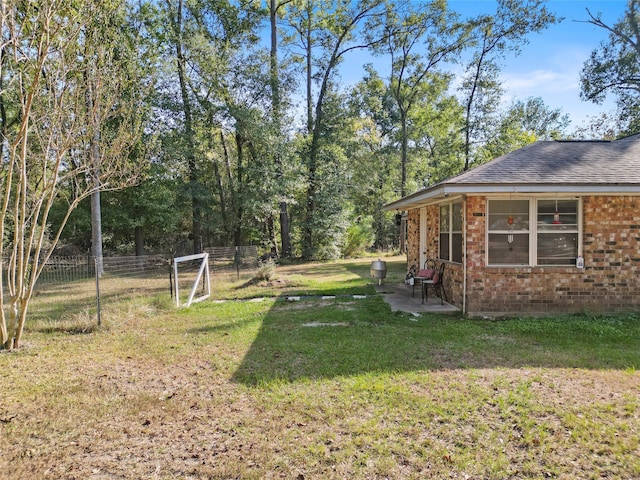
pixel 540 81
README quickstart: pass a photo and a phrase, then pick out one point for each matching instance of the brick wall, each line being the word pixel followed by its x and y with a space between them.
pixel 413 238
pixel 453 272
pixel 609 282
pixel 413 235
pixel 611 246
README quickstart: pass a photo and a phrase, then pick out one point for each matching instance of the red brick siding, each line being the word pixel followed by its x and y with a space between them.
pixel 453 272
pixel 609 282
pixel 433 231
pixel 611 248
pixel 413 235
pixel 413 238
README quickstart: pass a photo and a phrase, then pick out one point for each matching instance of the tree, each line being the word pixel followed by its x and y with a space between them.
pixel 373 148
pixel 176 16
pixel 495 36
pixel 146 215
pixel 277 117
pixel 436 123
pixel 47 128
pixel 603 127
pixel 614 66
pixel 433 129
pixel 533 115
pixel 335 29
pixel 227 133
pixel 230 90
pixel 524 122
pixel 418 40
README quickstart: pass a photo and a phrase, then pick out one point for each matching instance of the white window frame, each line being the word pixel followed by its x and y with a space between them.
pixel 533 229
pixel 451 231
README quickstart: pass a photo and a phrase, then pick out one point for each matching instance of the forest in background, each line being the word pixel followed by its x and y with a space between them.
pixel 245 135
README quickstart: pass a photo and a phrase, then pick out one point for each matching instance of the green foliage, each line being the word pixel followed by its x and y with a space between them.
pixel 605 126
pixel 413 71
pixel 510 137
pixel 327 227
pixel 359 237
pixel 524 122
pixel 229 152
pixel 76 85
pixel 614 66
pixel 266 271
pixel 493 37
pixel 434 124
pixel 532 115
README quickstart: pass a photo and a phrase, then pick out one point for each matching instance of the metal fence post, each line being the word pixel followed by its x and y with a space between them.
pixel 98 290
pixel 237 260
pixel 171 279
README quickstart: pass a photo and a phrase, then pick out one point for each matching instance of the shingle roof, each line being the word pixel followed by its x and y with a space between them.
pixel 564 162
pixel 577 166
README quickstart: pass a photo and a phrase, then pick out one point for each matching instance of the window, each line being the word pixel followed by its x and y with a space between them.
pixel 557 232
pixel 451 232
pixel 508 232
pixel 456 232
pixel 551 239
pixel 445 231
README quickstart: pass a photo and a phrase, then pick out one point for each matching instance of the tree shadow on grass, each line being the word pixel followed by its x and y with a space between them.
pixel 315 340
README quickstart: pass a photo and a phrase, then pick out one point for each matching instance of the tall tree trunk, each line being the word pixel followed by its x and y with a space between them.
pixel 196 228
pixel 94 161
pixel 4 333
pixel 96 210
pixel 229 224
pixel 309 71
pixel 237 237
pixel 285 230
pixel 469 112
pixel 307 230
pixel 139 239
pixel 404 153
pixel 273 57
pixel 96 232
pixel 285 234
pixel 220 188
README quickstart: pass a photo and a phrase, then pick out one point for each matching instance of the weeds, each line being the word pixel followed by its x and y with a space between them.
pixel 266 271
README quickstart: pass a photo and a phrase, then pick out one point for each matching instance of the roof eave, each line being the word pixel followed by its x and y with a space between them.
pixel 419 198
pixel 439 192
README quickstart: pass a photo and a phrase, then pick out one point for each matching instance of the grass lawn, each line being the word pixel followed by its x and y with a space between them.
pixel 321 388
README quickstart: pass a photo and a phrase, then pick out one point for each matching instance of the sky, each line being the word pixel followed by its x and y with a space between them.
pixel 549 65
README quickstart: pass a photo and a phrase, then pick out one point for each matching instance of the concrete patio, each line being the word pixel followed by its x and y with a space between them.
pixel 400 298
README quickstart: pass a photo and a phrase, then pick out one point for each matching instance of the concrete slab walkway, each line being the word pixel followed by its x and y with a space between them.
pixel 400 298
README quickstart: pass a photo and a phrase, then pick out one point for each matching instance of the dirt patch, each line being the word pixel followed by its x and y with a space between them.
pixel 325 324
pixel 300 304
pixel 144 420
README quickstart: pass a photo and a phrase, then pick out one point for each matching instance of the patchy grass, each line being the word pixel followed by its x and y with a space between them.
pixel 343 277
pixel 250 390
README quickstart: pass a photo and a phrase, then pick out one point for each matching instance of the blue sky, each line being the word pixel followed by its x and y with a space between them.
pixel 549 66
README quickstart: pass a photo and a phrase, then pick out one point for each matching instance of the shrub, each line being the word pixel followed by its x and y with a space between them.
pixel 266 271
pixel 358 238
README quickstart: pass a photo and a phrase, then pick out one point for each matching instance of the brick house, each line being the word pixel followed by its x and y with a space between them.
pixel 552 227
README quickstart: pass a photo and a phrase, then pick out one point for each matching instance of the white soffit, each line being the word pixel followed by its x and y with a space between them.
pixel 441 193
